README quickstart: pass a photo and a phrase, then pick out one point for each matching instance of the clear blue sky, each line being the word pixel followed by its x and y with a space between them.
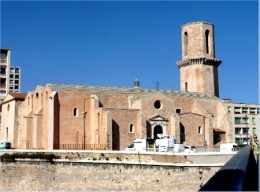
pixel 111 43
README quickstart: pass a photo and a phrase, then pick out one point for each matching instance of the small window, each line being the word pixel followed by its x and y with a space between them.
pixel 186 43
pixel 178 110
pixel 207 41
pixel 75 112
pixel 253 121
pixel 229 109
pixel 131 128
pixel 186 86
pixel 8 107
pixel 199 130
pixel 157 104
pixel 237 110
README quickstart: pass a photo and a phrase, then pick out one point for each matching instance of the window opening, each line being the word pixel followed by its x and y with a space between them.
pixel 157 104
pixel 185 43
pixel 207 41
pixel 186 86
pixel 75 112
pixel 131 128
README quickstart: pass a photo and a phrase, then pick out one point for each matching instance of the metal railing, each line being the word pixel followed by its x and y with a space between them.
pixel 80 146
pixel 240 173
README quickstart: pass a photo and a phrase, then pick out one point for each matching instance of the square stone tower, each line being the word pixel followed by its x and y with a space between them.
pixel 199 67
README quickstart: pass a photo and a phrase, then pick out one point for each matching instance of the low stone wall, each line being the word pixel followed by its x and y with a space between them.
pixel 66 176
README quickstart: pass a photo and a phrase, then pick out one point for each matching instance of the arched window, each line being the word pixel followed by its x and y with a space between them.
pixel 185 43
pixel 186 86
pixel 199 130
pixel 131 128
pixel 75 112
pixel 207 41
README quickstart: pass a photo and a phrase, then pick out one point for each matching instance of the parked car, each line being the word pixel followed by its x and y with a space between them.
pixel 190 149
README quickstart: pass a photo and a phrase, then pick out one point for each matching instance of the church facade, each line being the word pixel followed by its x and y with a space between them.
pixel 57 116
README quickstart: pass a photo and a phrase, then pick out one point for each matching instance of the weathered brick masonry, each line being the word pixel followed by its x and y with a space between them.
pixel 102 176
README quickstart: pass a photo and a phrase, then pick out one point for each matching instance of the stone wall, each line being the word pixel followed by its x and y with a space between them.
pixel 42 176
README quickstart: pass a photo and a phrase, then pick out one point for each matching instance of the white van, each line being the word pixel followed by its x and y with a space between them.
pixel 178 148
pixel 228 147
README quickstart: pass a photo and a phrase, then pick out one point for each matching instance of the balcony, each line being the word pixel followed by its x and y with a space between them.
pixel 3 60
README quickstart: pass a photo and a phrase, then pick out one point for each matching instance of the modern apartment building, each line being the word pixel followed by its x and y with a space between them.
pixel 245 120
pixel 5 58
pixel 10 77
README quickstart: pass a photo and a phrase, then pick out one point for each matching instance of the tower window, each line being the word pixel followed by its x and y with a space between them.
pixel 178 110
pixel 186 86
pixel 75 112
pixel 185 43
pixel 207 41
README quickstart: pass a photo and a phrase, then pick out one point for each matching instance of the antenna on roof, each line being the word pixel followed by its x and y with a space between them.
pixel 157 85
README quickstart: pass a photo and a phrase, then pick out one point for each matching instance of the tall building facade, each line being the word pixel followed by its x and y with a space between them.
pixel 10 78
pixel 245 120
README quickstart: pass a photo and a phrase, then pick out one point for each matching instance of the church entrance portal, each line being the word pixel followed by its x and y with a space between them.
pixel 158 126
pixel 157 130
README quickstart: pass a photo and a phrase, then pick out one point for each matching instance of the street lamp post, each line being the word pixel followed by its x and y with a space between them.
pixel 246 130
pixel 84 123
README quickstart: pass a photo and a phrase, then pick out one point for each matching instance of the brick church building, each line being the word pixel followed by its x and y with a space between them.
pixel 57 116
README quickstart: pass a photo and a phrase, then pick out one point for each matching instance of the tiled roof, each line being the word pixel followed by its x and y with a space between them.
pixel 127 90
pixel 18 95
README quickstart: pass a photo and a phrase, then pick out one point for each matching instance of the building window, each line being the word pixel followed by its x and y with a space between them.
pixel 253 121
pixel 157 104
pixel 207 41
pixel 237 110
pixel 8 107
pixel 131 128
pixel 199 130
pixel 253 130
pixel 238 120
pixel 186 86
pixel 244 110
pixel 245 120
pixel 237 131
pixel 252 110
pixel 185 43
pixel 245 130
pixel 178 110
pixel 75 112
pixel 229 109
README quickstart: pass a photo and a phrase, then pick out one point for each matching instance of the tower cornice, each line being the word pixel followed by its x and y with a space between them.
pixel 199 61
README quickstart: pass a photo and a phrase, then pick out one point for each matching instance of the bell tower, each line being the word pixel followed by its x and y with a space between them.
pixel 199 67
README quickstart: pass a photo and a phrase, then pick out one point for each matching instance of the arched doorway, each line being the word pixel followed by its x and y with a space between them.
pixel 157 130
